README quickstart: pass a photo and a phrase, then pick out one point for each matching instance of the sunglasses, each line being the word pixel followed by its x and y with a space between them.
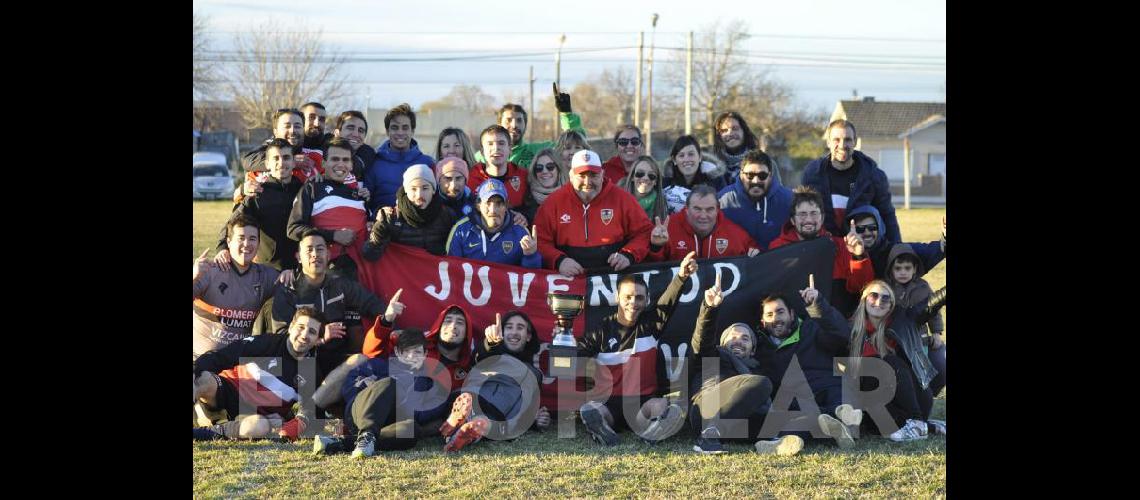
pixel 881 298
pixel 626 142
pixel 548 167
pixel 755 175
pixel 641 173
pixel 868 228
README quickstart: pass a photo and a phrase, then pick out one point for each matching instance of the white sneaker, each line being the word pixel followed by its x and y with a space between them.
pixel 836 429
pixel 936 427
pixel 913 430
pixel 664 426
pixel 848 414
pixel 365 445
pixel 785 446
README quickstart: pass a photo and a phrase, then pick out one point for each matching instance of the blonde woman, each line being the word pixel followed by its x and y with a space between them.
pixel 645 183
pixel 546 174
pixel 880 329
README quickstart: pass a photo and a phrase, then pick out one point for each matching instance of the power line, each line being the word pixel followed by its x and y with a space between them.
pixel 608 33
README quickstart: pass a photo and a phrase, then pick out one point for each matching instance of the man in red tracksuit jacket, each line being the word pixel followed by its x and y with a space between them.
pixel 852 269
pixel 699 227
pixel 496 146
pixel 591 224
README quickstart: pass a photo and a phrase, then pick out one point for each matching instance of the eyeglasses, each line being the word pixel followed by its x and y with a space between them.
pixel 868 228
pixel 755 175
pixel 548 167
pixel 641 173
pixel 627 142
pixel 881 298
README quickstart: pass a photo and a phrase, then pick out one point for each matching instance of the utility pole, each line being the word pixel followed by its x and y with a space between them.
pixel 640 68
pixel 906 172
pixel 649 107
pixel 531 81
pixel 689 87
pixel 558 80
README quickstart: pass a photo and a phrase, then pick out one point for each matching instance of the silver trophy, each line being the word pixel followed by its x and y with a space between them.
pixel 564 349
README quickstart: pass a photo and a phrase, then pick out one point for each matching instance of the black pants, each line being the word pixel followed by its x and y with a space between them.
pixel 374 410
pixel 938 358
pixel 743 398
pixel 911 401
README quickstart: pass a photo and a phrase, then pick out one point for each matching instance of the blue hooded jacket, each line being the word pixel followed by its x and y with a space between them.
pixel 470 239
pixel 762 219
pixel 463 205
pixel 930 253
pixel 423 389
pixel 871 188
pixel 386 174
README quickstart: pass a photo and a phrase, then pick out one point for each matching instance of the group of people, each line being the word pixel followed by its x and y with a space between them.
pixel 278 309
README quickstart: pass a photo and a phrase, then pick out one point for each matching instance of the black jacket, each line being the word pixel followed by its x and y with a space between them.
pixel 271 209
pixel 397 229
pixel 815 341
pixel 904 329
pixel 270 352
pixel 706 347
pixel 332 298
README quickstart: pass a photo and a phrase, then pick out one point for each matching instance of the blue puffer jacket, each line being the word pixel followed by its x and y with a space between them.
pixel 762 219
pixel 871 188
pixel 470 239
pixel 386 174
pixel 930 253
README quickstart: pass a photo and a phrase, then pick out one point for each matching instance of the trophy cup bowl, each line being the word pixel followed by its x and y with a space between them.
pixel 564 348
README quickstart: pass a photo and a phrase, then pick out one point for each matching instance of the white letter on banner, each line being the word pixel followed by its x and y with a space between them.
pixel 694 291
pixel 445 289
pixel 601 290
pixel 519 299
pixel 553 288
pixel 720 266
pixel 485 295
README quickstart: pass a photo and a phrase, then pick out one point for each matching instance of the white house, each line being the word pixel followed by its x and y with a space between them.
pixel 886 129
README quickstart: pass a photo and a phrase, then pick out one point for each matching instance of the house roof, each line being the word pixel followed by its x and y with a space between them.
pixel 887 119
pixel 923 125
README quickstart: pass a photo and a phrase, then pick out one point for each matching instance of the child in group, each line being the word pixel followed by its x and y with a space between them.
pixel 904 273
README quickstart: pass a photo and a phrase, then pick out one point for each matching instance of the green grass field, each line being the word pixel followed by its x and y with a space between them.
pixel 541 465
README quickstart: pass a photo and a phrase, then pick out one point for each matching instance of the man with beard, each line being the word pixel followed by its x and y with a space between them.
pixel 733 142
pixel 758 202
pixel 852 268
pixel 847 179
pixel 270 208
pixel 700 227
pixel 624 347
pixel 287 125
pixel 730 388
pixel 486 234
pixel 512 117
pixel 420 219
pixel 588 224
pixel 315 116
pixel 227 301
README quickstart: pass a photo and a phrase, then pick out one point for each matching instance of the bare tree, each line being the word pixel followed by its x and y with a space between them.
pixel 274 67
pixel 205 71
pixel 467 98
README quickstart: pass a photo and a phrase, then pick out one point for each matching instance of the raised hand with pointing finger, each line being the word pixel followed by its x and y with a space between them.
pixel 660 234
pixel 809 294
pixel 713 296
pixel 200 264
pixel 561 100
pixel 529 243
pixel 395 307
pixel 854 242
pixel 688 265
pixel 494 333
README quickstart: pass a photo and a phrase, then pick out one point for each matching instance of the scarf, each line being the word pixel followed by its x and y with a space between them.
pixel 416 216
pixel 540 193
pixel 647 202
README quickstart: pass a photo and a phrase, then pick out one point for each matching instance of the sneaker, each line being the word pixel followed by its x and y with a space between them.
pixel 936 427
pixel 836 429
pixel 470 432
pixel 848 414
pixel 460 412
pixel 205 417
pixel 913 430
pixel 661 428
pixel 365 445
pixel 596 425
pixel 709 442
pixel 292 429
pixel 785 446
pixel 206 434
pixel 327 445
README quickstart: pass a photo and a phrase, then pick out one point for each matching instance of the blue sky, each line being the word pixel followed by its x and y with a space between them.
pixel 893 50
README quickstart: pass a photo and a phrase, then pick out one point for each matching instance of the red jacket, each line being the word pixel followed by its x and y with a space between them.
pixel 589 234
pixel 614 169
pixel 515 181
pixel 726 240
pixel 380 342
pixel 856 272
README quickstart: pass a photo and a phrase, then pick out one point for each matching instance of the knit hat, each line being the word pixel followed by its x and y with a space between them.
pixel 743 326
pixel 451 164
pixel 419 171
pixel 585 160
